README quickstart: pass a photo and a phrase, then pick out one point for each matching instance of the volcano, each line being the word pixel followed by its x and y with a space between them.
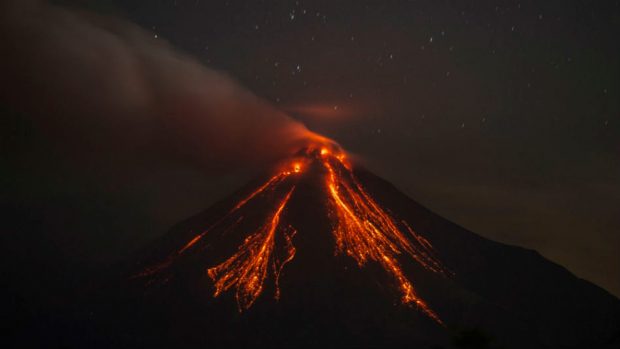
pixel 322 252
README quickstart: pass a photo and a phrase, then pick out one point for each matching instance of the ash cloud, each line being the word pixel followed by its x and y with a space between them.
pixel 96 86
pixel 108 136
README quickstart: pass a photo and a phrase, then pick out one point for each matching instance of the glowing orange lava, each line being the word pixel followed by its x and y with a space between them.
pixel 248 268
pixel 270 184
pixel 362 229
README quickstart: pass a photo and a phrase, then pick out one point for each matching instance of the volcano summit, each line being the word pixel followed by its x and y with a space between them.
pixel 361 228
pixel 322 252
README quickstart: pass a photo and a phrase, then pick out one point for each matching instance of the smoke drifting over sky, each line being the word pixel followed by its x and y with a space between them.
pixel 106 85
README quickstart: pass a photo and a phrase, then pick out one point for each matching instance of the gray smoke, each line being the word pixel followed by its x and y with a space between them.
pixel 100 86
pixel 108 135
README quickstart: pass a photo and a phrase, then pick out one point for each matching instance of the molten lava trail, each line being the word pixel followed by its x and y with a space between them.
pixel 365 231
pixel 269 184
pixel 248 268
pixel 362 230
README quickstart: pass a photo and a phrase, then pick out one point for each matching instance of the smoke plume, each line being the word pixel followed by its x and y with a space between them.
pixel 101 86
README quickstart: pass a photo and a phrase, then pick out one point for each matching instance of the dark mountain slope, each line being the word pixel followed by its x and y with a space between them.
pixel 512 296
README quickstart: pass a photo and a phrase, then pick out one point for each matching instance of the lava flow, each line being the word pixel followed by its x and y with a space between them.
pixel 362 230
pixel 247 269
pixel 270 184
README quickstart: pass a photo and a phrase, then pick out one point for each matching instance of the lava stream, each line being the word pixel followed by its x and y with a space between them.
pixel 364 231
pixel 269 184
pixel 248 268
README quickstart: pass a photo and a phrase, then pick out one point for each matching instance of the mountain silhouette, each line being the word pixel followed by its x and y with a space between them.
pixel 294 260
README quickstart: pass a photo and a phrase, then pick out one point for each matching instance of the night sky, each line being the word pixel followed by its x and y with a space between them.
pixel 502 116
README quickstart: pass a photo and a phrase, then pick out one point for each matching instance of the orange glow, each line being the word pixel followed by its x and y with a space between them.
pixel 271 182
pixel 191 243
pixel 362 229
pixel 248 268
pixel 261 189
